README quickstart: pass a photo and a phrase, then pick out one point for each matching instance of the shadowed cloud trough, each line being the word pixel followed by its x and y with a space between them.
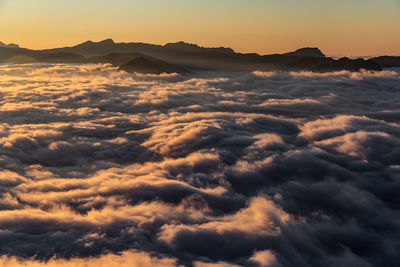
pixel 243 169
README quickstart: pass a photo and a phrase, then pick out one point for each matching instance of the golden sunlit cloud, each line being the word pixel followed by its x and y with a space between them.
pixel 130 258
pixel 100 167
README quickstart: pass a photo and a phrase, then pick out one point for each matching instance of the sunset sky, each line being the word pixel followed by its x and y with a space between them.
pixel 343 27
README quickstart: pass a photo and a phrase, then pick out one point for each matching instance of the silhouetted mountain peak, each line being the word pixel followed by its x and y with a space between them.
pixel 181 45
pixel 148 65
pixel 306 52
pixel 90 43
pixel 85 44
pixel 193 48
pixel 9 45
pixel 107 42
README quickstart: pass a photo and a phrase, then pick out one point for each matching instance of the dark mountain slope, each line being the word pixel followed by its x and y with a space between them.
pixel 148 65
pixel 115 58
pixel 306 52
pixel 387 61
pixel 134 62
pixel 18 55
pixel 62 57
pixel 155 58
pixel 346 64
pixel 193 48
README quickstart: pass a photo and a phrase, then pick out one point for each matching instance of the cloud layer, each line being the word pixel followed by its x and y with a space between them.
pixel 244 169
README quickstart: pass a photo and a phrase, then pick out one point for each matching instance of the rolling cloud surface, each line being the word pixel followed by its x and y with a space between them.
pixel 245 169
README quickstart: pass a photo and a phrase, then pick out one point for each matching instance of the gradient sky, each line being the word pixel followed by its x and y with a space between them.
pixel 340 27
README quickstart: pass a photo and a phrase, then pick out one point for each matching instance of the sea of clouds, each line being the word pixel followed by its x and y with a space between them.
pixel 104 168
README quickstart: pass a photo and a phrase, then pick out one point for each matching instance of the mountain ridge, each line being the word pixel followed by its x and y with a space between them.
pixel 187 57
pixel 307 52
pixel 9 45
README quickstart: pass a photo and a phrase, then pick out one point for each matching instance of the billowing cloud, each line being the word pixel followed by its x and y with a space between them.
pixel 244 169
pixel 128 258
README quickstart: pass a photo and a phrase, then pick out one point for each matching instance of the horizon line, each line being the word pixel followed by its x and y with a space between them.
pixel 204 46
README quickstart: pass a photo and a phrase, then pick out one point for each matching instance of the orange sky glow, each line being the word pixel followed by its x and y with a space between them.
pixel 351 28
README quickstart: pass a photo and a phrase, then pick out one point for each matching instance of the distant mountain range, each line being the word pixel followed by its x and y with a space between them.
pixel 185 58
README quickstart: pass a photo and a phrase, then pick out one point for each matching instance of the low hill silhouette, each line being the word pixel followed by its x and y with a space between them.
pixel 387 61
pixel 148 65
pixel 62 57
